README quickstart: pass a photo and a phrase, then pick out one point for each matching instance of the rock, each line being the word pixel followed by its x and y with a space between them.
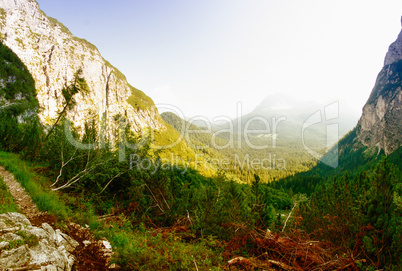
pixel 44 253
pixel 2 225
pixel 10 237
pixel 394 53
pixel 53 55
pixel 107 245
pixel 114 266
pixel 49 268
pixel 48 229
pixel 17 219
pixel 380 125
pixel 3 245
pixel 64 240
pixel 86 242
pixel 17 257
pixel 43 248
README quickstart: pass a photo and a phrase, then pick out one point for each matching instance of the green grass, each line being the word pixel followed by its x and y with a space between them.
pixel 138 99
pixel 144 250
pixel 36 186
pixel 55 22
pixel 29 239
pixel 7 203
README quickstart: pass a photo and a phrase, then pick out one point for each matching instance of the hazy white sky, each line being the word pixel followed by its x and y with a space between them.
pixel 205 56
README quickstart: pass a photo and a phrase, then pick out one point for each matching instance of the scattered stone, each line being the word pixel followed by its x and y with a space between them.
pixel 46 249
pixel 64 240
pixel 91 254
pixel 107 245
pixel 48 229
pixel 114 266
pixel 3 245
pixel 2 225
pixel 86 242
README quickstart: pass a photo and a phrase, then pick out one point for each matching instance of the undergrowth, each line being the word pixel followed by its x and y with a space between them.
pixel 138 248
pixel 7 203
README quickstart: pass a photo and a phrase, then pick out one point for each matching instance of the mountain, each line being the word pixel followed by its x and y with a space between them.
pixel 379 128
pixel 295 127
pixel 295 114
pixel 53 54
pixel 381 122
pixel 377 133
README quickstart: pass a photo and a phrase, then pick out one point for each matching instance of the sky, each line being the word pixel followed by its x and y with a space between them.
pixel 206 56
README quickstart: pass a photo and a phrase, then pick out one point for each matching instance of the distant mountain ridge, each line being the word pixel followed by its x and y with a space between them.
pixel 287 115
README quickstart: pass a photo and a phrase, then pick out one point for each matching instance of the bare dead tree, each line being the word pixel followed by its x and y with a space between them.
pixel 63 164
pixel 297 199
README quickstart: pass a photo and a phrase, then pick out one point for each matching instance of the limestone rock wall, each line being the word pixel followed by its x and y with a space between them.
pixel 381 122
pixel 52 55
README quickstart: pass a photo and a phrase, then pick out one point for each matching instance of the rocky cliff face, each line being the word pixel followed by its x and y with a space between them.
pixel 381 121
pixel 52 55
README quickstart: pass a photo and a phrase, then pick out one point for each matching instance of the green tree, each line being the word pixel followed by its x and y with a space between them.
pixel 77 85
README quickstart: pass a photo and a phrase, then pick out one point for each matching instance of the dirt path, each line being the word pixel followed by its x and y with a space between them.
pixel 88 257
pixel 22 198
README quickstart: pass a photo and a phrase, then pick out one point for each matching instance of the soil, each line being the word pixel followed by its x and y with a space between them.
pixel 92 256
pixel 22 198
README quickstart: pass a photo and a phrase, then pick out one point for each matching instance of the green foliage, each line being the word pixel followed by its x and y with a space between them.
pixel 3 15
pixel 139 100
pixel 55 22
pixel 78 85
pixel 89 45
pixel 35 185
pixel 29 239
pixel 7 203
pixel 234 154
pixel 353 158
pixel 13 244
pixel 18 105
pixel 155 251
pixel 17 85
pixel 360 213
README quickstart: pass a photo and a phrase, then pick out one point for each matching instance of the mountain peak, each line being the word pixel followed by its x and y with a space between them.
pixel 277 101
pixel 395 51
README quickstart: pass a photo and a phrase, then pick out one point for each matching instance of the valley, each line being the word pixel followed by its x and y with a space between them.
pixel 290 185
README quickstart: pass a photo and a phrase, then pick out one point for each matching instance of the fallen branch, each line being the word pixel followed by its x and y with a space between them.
pixel 286 221
pixel 63 164
pixel 196 267
pixel 281 265
pixel 111 180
